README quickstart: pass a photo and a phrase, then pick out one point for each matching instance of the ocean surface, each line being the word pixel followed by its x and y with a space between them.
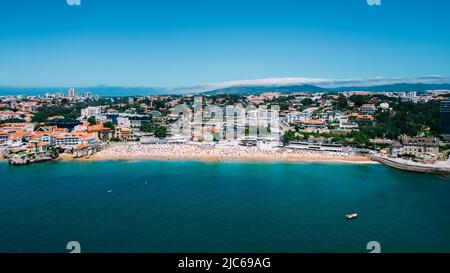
pixel 96 90
pixel 151 206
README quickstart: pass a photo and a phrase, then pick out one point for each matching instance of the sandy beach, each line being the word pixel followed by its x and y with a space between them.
pixel 127 151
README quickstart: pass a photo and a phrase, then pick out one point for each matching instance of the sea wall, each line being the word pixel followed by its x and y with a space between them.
pixel 410 167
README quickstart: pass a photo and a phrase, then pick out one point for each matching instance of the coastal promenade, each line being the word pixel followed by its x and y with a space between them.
pixel 218 153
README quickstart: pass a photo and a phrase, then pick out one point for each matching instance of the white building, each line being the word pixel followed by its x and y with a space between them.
pixel 317 146
pixel 268 143
pixel 344 124
pixel 3 137
pixel 80 128
pixel 294 117
pixel 29 128
pixel 384 105
pixel 123 122
pixel 90 111
pixel 101 118
pixel 72 93
pixel 297 117
pixel 368 109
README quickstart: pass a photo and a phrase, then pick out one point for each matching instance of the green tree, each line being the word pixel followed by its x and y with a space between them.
pixel 307 102
pixel 160 131
pixel 341 103
pixel 11 121
pixel 360 138
pixel 92 121
pixel 68 112
pixel 359 100
pixel 290 136
pixel 40 117
pixel 109 125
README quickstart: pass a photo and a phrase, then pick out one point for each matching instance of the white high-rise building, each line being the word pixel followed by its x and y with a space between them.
pixel 71 92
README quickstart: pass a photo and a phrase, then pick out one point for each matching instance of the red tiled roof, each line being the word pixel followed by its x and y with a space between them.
pixel 314 121
pixel 364 116
pixel 80 146
pixel 97 127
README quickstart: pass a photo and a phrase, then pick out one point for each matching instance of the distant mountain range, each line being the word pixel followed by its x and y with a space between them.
pixel 211 90
pixel 400 87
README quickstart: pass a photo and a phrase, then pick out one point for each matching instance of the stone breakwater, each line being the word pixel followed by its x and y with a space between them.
pixel 441 169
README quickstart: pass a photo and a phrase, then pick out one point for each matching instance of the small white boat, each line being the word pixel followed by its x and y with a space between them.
pixel 109 190
pixel 351 216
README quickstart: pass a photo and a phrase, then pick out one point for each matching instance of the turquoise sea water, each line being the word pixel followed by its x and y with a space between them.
pixel 220 207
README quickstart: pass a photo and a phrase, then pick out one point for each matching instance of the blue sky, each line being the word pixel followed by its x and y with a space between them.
pixel 188 42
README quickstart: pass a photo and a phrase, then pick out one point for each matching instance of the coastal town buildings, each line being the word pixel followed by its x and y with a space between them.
pixel 418 147
pixel 345 124
pixel 76 123
pixel 299 117
pixel 368 109
pixel 3 137
pixel 122 133
pixel 100 132
pixel 314 125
